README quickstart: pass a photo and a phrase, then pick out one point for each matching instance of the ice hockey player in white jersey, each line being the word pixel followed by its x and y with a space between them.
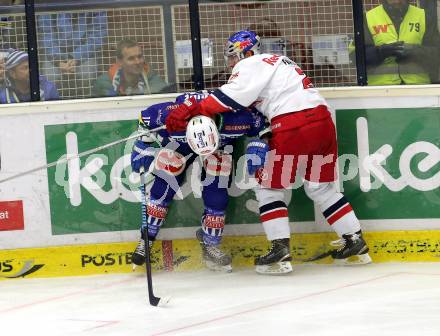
pixel 302 145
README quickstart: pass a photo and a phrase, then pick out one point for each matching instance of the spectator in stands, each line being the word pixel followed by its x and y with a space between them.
pixel 402 44
pixel 272 42
pixel 70 44
pixel 17 81
pixel 6 30
pixel 272 39
pixel 2 71
pixel 130 75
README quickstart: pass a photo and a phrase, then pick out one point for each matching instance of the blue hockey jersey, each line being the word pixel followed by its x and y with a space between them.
pixel 231 125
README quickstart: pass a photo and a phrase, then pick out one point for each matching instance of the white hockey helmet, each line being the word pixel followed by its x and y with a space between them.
pixel 202 135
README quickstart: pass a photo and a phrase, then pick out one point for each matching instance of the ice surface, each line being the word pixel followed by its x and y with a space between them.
pixel 378 299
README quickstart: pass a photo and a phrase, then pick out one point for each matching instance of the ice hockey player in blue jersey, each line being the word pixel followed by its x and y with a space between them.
pixel 168 156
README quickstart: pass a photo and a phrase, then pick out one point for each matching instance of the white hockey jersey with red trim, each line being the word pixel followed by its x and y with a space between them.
pixel 274 84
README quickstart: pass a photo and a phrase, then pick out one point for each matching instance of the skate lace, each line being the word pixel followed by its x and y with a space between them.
pixel 140 249
pixel 268 253
pixel 214 252
pixel 340 243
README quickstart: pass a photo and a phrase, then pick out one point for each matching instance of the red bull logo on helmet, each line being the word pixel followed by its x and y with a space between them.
pixel 242 44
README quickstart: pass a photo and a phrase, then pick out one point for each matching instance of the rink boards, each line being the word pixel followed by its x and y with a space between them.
pixel 83 217
pixel 184 255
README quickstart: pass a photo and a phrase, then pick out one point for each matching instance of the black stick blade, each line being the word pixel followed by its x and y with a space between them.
pixel 154 300
pixel 317 257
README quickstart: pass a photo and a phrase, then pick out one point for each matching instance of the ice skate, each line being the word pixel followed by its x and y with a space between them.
pixel 215 259
pixel 276 260
pixel 138 257
pixel 353 250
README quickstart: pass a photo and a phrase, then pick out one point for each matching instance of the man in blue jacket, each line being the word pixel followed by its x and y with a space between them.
pixel 17 88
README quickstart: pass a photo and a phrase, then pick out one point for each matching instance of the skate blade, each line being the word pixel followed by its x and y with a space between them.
pixel 218 268
pixel 279 268
pixel 361 259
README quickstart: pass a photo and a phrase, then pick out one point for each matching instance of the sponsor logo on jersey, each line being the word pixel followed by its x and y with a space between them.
pixel 169 161
pixel 171 107
pixel 179 138
pixel 218 164
pixel 157 211
pixel 271 60
pixel 237 127
pixel 214 222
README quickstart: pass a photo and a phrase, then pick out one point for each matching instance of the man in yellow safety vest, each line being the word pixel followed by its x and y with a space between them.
pixel 402 44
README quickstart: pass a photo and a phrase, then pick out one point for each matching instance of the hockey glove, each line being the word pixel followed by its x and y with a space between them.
pixel 256 153
pixel 178 118
pixel 142 155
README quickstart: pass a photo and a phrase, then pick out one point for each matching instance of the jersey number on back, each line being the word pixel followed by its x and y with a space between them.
pixel 307 83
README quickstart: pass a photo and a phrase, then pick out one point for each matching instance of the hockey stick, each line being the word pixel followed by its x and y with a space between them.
pixel 154 300
pixel 88 152
pixel 317 257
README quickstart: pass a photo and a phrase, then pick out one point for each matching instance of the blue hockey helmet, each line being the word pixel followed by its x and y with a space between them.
pixel 239 43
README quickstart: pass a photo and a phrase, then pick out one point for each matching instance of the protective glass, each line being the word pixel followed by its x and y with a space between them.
pixel 231 60
pixel 274 45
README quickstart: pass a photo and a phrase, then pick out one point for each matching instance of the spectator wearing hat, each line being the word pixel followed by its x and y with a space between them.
pixel 2 71
pixel 17 87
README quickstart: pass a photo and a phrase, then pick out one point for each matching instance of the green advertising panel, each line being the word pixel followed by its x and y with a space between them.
pixel 97 193
pixel 75 205
pixel 392 166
